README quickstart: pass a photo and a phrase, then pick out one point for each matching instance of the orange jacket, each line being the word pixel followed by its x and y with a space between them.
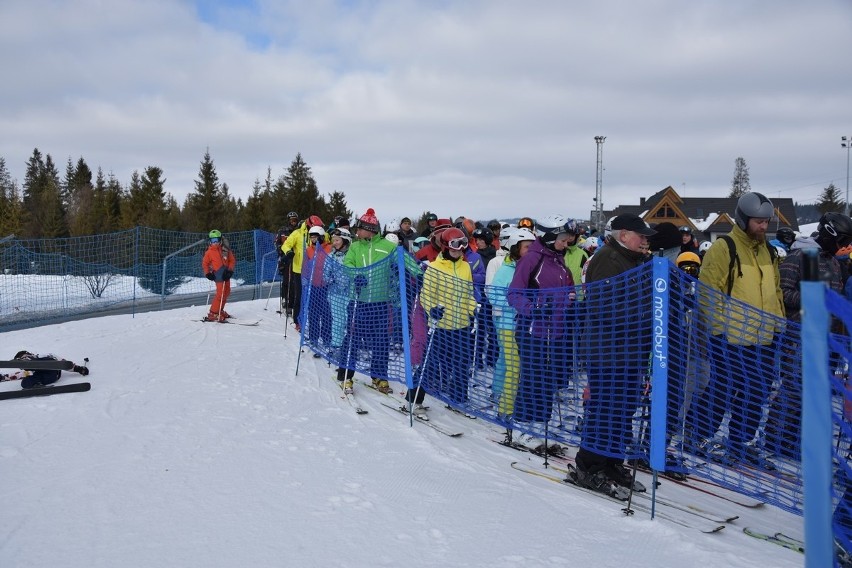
pixel 216 260
pixel 317 271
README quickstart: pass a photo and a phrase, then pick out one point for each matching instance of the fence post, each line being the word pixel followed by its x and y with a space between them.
pixel 816 417
pixel 659 361
pixel 404 312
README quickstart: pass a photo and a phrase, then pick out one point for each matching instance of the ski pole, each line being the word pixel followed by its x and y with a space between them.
pixel 272 287
pixel 432 326
pixel 350 335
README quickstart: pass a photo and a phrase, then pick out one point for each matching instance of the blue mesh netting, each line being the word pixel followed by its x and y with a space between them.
pixel 840 352
pixel 46 279
pixel 578 372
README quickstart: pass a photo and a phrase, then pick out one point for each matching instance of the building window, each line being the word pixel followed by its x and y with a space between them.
pixel 665 212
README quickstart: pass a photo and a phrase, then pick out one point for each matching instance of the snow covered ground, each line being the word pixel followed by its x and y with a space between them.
pixel 198 445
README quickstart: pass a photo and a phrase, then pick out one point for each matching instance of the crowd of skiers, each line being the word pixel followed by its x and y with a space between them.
pixel 480 276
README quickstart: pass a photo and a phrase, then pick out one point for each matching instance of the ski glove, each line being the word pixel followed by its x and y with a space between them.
pixel 360 283
pixel 211 276
pixel 540 312
pixel 437 313
pixel 227 275
pixel 287 258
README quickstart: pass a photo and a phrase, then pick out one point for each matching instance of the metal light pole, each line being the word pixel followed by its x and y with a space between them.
pixel 599 220
pixel 846 143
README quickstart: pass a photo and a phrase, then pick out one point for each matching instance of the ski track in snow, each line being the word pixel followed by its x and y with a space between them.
pixel 199 446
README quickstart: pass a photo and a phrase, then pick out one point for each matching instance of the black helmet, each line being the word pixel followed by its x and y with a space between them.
pixel 752 205
pixel 292 215
pixel 431 217
pixel 494 224
pixel 834 232
pixel 485 234
pixel 685 230
pixel 786 236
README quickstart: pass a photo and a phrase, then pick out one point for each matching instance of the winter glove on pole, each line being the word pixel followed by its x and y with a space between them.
pixel 437 313
pixel 210 276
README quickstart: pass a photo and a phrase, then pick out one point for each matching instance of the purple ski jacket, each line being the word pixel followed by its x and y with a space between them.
pixel 540 292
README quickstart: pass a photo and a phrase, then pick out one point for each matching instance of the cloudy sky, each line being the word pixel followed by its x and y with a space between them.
pixel 483 108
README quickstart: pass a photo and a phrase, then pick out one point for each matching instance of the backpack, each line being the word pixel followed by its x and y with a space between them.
pixel 735 259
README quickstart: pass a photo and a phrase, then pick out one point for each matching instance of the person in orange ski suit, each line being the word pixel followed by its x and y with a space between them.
pixel 218 266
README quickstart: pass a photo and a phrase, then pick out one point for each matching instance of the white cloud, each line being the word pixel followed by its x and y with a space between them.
pixel 477 108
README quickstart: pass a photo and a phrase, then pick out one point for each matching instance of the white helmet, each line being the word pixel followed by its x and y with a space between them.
pixel 343 233
pixel 392 237
pixel 590 244
pixel 317 230
pixel 392 226
pixel 782 252
pixel 513 235
pixel 608 227
pixel 704 246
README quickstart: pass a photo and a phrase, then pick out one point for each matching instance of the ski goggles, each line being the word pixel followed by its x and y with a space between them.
pixel 525 223
pixel 214 240
pixel 690 268
pixel 459 243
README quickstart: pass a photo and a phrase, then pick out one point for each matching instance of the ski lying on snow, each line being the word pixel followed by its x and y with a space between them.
pixel 778 538
pixel 48 365
pixel 557 456
pixel 693 523
pixel 460 412
pixel 686 508
pixel 425 420
pixel 45 391
pixel 695 483
pixel 639 490
pixel 710 488
pixel 245 323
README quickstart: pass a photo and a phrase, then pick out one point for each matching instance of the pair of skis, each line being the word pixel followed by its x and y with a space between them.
pixel 228 321
pixel 694 521
pixel 398 408
pixel 41 365
pixel 694 483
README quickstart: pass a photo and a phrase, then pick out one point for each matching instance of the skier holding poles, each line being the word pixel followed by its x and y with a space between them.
pixel 218 266
pixel 541 291
pixel 448 298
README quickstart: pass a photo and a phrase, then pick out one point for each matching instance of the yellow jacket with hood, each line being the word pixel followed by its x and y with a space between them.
pixel 759 286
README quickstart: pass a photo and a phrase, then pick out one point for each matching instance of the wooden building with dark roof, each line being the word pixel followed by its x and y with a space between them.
pixel 708 217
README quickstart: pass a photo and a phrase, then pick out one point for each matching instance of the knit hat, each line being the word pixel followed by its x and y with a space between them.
pixel 369 222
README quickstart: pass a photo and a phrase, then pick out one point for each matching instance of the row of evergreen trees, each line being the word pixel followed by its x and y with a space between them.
pixel 82 203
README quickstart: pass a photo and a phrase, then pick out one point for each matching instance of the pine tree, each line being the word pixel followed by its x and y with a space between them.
pixel 256 214
pixel 740 183
pixel 146 201
pixel 830 200
pixel 297 191
pixel 114 196
pixel 205 208
pixel 43 210
pixel 79 199
pixel 11 206
pixel 337 206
